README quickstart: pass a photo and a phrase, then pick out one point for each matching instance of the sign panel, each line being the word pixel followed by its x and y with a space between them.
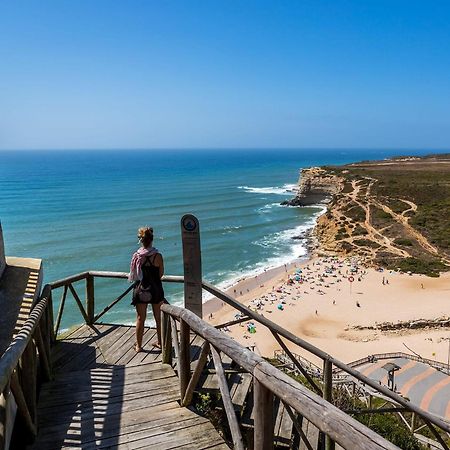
pixel 192 263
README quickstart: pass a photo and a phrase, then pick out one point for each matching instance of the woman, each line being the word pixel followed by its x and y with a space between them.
pixel 147 268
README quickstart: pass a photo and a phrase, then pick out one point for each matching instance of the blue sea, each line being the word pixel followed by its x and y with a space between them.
pixel 80 210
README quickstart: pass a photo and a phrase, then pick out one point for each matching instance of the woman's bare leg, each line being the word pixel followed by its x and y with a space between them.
pixel 141 315
pixel 157 313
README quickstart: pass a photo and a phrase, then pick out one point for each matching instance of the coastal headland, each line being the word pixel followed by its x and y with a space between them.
pixel 386 227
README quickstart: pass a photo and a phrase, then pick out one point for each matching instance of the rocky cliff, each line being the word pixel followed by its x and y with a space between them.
pixel 316 186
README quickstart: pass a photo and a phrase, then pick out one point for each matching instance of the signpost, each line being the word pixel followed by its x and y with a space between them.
pixel 192 263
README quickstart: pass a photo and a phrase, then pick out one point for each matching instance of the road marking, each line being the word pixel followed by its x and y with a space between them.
pixel 426 400
pixel 414 380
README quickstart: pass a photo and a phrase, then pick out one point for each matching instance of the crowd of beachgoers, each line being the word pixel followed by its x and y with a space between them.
pixel 326 300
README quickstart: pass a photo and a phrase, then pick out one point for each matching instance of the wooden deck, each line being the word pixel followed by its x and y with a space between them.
pixel 104 395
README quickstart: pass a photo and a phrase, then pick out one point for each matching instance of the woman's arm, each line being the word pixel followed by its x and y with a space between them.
pixel 159 262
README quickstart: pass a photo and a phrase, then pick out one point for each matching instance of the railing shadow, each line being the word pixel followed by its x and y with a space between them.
pixel 82 408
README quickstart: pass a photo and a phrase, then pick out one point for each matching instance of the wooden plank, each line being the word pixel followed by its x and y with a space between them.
pixel 86 412
pixel 130 356
pixel 115 424
pixel 50 398
pixel 242 390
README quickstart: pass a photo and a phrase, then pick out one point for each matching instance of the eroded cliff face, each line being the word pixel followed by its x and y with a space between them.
pixel 315 186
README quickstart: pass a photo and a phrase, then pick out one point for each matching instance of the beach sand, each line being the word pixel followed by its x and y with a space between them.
pixel 325 312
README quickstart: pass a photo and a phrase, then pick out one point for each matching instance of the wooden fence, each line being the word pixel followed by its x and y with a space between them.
pixel 30 352
pixel 24 365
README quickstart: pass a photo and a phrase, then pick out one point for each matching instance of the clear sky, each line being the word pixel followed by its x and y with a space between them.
pixel 176 74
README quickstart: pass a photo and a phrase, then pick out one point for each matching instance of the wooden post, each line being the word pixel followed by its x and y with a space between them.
pixel 44 354
pixel 328 394
pixel 29 378
pixel 61 308
pixel 192 263
pixel 166 333
pixel 22 406
pixel 51 337
pixel 196 375
pixel 90 299
pixel 184 358
pixel 263 412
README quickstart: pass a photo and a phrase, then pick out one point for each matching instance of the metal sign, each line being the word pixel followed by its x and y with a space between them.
pixel 192 263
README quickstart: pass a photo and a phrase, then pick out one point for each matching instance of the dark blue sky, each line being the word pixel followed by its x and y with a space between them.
pixel 157 74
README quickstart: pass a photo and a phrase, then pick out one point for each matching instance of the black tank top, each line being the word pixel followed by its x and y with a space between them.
pixel 151 278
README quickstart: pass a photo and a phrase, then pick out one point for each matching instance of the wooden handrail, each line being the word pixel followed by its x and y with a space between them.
pixel 280 331
pixel 325 356
pixel 340 427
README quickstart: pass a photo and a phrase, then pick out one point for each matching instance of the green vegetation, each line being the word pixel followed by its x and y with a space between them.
pixel 366 243
pixel 403 242
pixel 430 267
pixel 403 186
pixel 356 213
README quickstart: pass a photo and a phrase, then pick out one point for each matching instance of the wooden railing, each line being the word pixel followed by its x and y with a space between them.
pixel 268 382
pixel 281 335
pixel 379 356
pixel 31 349
pixel 24 364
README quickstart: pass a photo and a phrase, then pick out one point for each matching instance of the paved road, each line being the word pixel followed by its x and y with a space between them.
pixel 423 385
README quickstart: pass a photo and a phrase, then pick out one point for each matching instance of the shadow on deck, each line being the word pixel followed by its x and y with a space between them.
pixel 104 395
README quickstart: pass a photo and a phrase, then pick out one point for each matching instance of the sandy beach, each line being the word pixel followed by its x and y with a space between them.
pixel 322 306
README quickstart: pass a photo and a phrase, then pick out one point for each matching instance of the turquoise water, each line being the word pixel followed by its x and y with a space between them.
pixel 80 211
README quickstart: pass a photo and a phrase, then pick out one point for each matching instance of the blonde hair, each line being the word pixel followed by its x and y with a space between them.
pixel 145 236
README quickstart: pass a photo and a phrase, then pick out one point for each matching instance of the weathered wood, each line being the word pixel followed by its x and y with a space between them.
pixel 323 355
pixel 263 412
pixel 68 280
pixel 90 300
pixel 22 405
pixel 166 333
pixel 12 354
pixel 233 322
pixel 114 302
pixel 44 357
pixel 228 405
pixel 196 374
pixel 49 312
pixel 28 375
pixel 329 419
pixel 436 434
pixel 342 428
pixel 119 406
pixel 328 395
pixel 61 308
pixel 298 426
pixel 176 346
pixel 184 362
pixel 297 364
pixel 78 301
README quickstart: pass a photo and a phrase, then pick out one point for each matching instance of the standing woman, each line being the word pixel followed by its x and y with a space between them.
pixel 147 269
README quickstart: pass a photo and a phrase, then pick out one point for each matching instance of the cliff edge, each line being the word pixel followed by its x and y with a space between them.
pixel 395 213
pixel 315 186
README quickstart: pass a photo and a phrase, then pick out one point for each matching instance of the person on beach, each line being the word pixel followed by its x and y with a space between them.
pixel 146 270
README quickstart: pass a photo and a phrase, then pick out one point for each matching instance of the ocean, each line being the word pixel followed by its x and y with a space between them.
pixel 80 210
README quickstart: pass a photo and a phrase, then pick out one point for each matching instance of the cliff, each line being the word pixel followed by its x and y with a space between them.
pixel 316 186
pixel 394 213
